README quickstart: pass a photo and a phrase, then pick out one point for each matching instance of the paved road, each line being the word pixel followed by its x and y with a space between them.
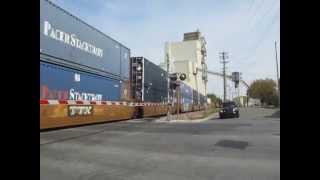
pixel 246 148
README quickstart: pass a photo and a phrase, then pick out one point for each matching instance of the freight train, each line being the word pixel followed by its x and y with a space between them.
pixel 87 77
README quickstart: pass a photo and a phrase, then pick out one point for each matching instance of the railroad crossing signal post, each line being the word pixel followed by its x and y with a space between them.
pixel 168 88
pixel 178 100
pixel 172 88
pixel 174 85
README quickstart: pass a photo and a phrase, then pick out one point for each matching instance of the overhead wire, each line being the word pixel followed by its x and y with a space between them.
pixel 263 17
pixel 252 4
pixel 262 35
pixel 260 3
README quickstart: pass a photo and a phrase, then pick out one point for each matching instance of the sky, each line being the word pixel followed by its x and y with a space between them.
pixel 246 29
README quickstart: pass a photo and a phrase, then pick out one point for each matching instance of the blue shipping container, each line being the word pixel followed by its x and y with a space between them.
pixel 125 63
pixel 186 93
pixel 61 83
pixel 68 38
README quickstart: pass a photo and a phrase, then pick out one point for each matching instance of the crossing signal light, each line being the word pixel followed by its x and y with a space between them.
pixel 183 76
pixel 173 77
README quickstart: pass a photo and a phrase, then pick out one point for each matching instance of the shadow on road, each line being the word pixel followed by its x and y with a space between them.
pixel 274 115
pixel 268 107
pixel 224 119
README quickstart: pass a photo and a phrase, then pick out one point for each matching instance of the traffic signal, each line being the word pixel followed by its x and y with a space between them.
pixel 173 77
pixel 183 76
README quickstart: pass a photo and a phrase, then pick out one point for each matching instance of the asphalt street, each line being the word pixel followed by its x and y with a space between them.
pixel 244 149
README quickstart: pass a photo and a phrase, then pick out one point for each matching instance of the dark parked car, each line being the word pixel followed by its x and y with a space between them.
pixel 229 109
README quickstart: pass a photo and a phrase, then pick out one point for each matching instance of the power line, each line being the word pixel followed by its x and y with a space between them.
pixel 264 15
pixel 266 27
pixel 251 5
pixel 262 38
pixel 256 12
pixel 264 34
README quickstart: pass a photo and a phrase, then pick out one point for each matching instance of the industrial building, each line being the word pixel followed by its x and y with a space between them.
pixel 187 57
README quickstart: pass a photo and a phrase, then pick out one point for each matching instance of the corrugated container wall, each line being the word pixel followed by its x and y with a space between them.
pixel 62 83
pixel 70 40
pixel 150 85
pixel 155 82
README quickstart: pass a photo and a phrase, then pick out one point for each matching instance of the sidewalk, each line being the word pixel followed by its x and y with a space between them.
pixel 191 117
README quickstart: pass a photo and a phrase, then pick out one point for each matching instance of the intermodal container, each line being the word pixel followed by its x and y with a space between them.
pixel 150 83
pixel 186 97
pixel 195 97
pixel 203 99
pixel 63 83
pixel 155 82
pixel 186 93
pixel 70 40
pixel 125 91
pixel 125 63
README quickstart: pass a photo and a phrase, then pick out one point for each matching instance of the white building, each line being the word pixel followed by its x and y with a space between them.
pixel 254 102
pixel 186 57
pixel 241 101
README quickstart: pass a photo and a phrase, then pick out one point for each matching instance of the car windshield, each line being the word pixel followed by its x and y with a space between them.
pixel 227 104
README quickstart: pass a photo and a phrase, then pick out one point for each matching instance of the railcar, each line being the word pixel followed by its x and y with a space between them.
pixel 87 77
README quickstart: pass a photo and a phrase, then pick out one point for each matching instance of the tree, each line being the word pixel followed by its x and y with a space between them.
pixel 265 90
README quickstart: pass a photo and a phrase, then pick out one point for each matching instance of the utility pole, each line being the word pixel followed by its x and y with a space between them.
pixel 275 45
pixel 224 56
pixel 240 102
